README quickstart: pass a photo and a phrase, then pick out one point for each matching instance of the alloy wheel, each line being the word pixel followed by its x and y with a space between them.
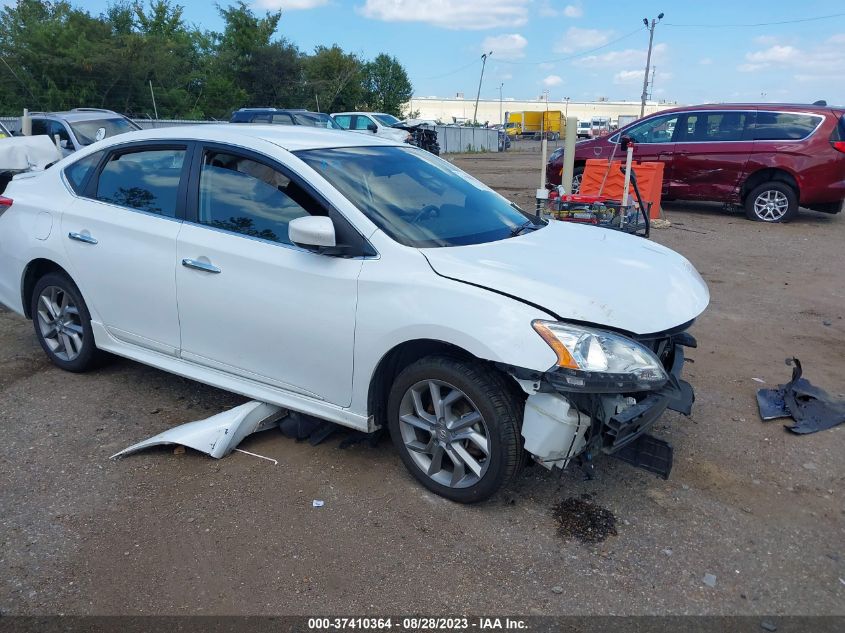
pixel 59 323
pixel 444 433
pixel 771 205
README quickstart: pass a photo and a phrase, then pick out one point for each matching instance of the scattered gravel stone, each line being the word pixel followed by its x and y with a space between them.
pixel 709 580
pixel 809 466
pixel 768 626
pixel 557 589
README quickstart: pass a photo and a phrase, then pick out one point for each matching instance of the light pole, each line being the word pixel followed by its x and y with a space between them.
pixel 566 110
pixel 501 115
pixel 648 59
pixel 480 79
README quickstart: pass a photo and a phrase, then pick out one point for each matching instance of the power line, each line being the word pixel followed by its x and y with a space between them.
pixel 754 24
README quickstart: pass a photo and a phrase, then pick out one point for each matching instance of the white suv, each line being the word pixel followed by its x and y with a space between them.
pixel 364 282
pixel 376 123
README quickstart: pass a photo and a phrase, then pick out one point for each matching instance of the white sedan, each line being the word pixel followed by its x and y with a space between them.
pixel 361 281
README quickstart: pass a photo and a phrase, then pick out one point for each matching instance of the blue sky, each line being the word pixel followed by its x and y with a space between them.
pixel 554 45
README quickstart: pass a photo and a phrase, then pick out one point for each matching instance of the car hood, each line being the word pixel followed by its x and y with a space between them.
pixel 584 273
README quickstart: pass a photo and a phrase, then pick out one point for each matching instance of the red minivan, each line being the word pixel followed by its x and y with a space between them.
pixel 770 158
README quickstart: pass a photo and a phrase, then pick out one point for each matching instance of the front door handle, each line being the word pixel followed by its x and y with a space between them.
pixel 81 237
pixel 198 265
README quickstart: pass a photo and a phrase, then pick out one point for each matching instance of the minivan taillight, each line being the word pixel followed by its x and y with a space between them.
pixel 837 139
pixel 5 203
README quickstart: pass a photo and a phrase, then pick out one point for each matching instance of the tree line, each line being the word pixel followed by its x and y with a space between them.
pixel 55 56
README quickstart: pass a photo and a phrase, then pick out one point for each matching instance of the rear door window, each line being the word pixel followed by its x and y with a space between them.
pixel 146 180
pixel 343 120
pixel 784 126
pixel 714 127
pixel 282 119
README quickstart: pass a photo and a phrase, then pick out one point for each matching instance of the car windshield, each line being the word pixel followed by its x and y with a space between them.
pixel 416 198
pixel 315 119
pixel 88 132
pixel 386 119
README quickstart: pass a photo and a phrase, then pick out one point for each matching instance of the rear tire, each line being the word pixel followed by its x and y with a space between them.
pixel 63 324
pixel 771 202
pixel 465 444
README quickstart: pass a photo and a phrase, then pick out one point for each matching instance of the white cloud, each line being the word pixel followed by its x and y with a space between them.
pixel 290 5
pixel 625 57
pixel 573 11
pixel 470 15
pixel 509 46
pixel 552 80
pixel 824 60
pixel 705 61
pixel 576 39
pixel 636 77
pixel 546 65
pixel 628 77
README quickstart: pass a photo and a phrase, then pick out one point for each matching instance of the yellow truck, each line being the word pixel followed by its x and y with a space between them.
pixel 536 124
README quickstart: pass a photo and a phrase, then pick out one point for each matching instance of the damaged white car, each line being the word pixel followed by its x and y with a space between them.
pixel 361 281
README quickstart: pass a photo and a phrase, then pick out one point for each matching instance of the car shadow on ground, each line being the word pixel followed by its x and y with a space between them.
pixel 717 209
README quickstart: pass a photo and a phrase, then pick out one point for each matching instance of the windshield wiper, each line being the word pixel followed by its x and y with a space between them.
pixel 528 224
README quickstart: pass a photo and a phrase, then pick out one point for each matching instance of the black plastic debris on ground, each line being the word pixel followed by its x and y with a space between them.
pixel 812 408
pixel 303 427
pixel 582 519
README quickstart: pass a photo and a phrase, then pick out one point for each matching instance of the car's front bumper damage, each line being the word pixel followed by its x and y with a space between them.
pixel 562 425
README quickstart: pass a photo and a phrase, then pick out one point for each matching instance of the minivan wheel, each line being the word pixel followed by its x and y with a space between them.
pixel 456 425
pixel 772 202
pixel 63 324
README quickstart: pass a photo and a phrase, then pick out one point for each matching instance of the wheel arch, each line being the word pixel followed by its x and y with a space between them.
pixel 34 271
pixel 768 174
pixel 397 359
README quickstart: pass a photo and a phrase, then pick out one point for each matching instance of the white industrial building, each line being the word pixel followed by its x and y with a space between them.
pixel 492 111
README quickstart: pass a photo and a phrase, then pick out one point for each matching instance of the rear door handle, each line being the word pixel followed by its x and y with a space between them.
pixel 81 237
pixel 198 265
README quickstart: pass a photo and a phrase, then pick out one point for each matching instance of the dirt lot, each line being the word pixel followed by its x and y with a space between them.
pixel 760 509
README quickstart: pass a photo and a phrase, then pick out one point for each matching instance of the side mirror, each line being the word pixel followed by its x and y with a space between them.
pixel 625 141
pixel 312 232
pixel 372 127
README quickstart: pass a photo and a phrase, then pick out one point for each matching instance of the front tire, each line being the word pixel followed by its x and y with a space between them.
pixel 63 324
pixel 456 425
pixel 772 202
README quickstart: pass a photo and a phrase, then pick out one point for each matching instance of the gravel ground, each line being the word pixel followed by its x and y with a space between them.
pixel 757 508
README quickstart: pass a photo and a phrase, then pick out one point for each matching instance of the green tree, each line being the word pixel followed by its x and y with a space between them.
pixel 334 78
pixel 387 85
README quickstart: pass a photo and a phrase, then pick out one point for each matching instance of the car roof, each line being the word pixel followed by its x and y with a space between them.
pixel 269 109
pixel 788 107
pixel 81 115
pixel 359 112
pixel 289 137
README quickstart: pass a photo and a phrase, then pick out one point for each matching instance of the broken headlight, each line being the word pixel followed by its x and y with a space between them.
pixel 599 361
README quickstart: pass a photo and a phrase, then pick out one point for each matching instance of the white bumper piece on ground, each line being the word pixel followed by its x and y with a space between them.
pixel 218 435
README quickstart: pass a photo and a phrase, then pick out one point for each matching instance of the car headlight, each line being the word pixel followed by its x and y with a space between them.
pixel 599 361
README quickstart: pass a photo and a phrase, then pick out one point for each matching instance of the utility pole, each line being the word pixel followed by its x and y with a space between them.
pixel 648 59
pixel 480 79
pixel 566 113
pixel 651 85
pixel 153 94
pixel 501 116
